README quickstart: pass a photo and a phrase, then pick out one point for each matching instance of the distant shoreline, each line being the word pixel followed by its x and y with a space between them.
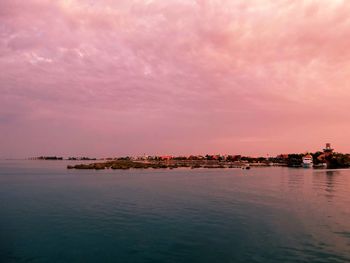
pixel 327 158
pixel 127 164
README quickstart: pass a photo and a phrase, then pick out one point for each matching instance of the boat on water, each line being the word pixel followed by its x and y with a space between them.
pixel 246 167
pixel 320 166
pixel 307 161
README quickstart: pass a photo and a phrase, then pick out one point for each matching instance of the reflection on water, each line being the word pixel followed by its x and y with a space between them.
pixel 327 180
pixel 331 181
pixel 296 180
pixel 50 214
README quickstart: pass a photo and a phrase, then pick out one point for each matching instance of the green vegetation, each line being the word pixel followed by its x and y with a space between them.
pixel 295 160
pixel 320 160
pixel 50 158
pixel 124 164
pixel 333 161
pixel 339 160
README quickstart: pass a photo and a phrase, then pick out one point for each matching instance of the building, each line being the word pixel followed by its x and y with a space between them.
pixel 328 153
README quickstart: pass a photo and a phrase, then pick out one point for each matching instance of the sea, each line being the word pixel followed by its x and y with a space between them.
pixel 276 214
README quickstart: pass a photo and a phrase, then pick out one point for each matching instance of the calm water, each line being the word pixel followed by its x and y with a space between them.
pixel 50 214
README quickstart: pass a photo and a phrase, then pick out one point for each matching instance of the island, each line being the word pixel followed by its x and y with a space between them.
pixel 326 158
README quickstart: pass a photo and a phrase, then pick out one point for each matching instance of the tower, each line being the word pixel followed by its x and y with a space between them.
pixel 328 152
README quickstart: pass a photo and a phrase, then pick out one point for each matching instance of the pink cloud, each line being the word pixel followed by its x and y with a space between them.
pixel 128 77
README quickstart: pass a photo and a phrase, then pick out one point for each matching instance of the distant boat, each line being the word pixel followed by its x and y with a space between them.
pixel 320 166
pixel 307 161
pixel 246 167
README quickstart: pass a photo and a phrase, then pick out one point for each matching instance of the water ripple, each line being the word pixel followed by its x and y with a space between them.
pixel 49 214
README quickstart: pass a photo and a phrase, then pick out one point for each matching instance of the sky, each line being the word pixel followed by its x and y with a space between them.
pixel 128 77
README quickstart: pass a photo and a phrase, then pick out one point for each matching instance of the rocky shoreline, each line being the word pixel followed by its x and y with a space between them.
pixel 127 164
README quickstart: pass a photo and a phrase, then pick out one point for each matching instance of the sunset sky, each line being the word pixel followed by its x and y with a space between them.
pixel 122 77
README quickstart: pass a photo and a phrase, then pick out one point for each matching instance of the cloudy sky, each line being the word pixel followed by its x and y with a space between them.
pixel 118 77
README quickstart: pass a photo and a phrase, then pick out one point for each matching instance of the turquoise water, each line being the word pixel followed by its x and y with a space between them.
pixel 51 214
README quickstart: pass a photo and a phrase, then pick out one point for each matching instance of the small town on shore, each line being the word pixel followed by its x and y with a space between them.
pixel 326 158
